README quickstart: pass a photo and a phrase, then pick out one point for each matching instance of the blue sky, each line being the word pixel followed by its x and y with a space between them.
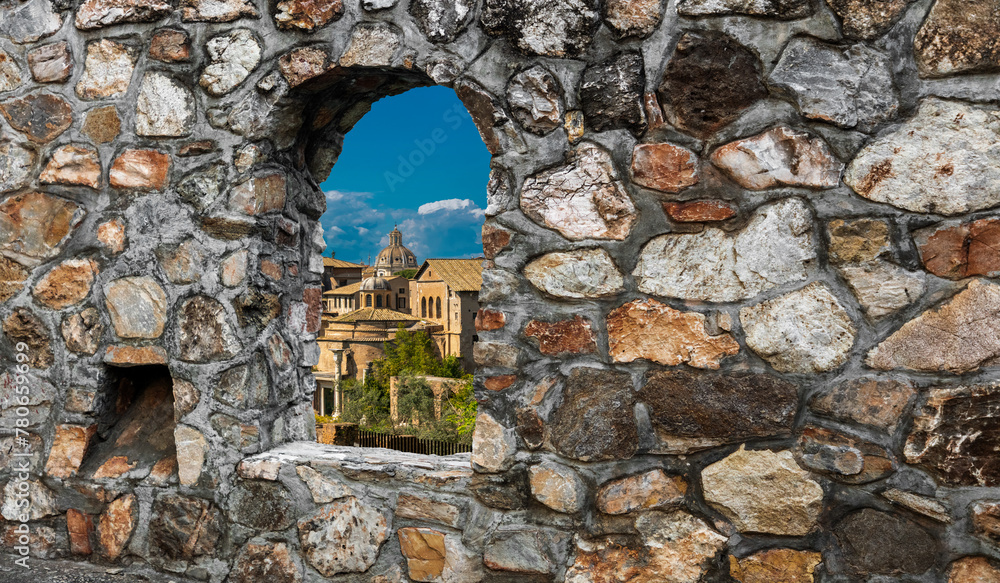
pixel 415 160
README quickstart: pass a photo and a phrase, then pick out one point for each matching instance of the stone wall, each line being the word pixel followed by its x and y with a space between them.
pixel 738 317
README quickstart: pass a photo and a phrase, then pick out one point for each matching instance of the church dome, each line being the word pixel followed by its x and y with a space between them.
pixel 375 284
pixel 395 257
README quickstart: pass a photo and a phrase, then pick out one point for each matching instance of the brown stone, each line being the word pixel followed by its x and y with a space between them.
pixel 259 195
pixel 170 45
pixel 271 562
pixel 313 299
pixel 986 521
pixel 779 157
pixel 41 117
pixel 499 383
pixel 135 355
pixel 843 458
pixel 664 167
pixel 107 69
pixel 420 508
pixel 974 570
pixel 163 470
pixel 301 65
pixel 205 333
pixel 68 448
pixel 184 528
pixel 115 467
pixel 959 37
pixel 857 241
pixel 489 320
pixel 79 526
pixel 869 401
pixel 183 263
pixel 648 329
pixel 217 10
pixel 137 305
pixel 12 278
pixel 774 566
pixel 73 165
pixel 494 241
pixel 557 486
pixel 100 13
pixel 958 336
pixel 115 526
pixel 574 336
pixel 34 226
pixel 700 211
pixel 710 80
pixel 140 169
pixel 958 251
pixel 926 505
pixel 67 284
pixel 197 148
pixel 595 420
pixel 24 326
pixel 692 411
pixel 484 111
pixel 82 332
pixel 308 14
pixel 51 63
pixel 226 228
pixel 878 543
pixel 271 269
pixel 868 19
pixel 425 552
pixel 633 18
pixel 651 490
pixel 102 124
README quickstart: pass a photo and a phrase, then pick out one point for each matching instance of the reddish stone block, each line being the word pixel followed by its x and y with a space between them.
pixel 564 337
pixel 79 526
pixel 142 169
pixel 700 211
pixel 499 383
pixel 490 320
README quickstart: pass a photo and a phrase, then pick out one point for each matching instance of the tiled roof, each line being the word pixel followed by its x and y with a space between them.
pixel 331 262
pixel 461 275
pixel 376 315
pixel 346 290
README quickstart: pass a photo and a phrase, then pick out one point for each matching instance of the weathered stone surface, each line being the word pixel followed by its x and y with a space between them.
pixel 959 37
pixel 205 332
pixel 574 336
pixel 100 13
pixel 41 117
pixel 217 10
pixel 321 489
pixel 102 124
pixel 647 329
pixel 847 86
pixel 775 248
pixel 696 411
pixel 66 284
pixel 527 551
pixel 343 537
pixel 12 278
pixel 595 420
pixel 233 56
pixel 785 565
pixel 183 263
pixel 493 445
pixel 648 491
pixel 929 507
pixel 266 562
pixel 27 22
pixel 664 167
pixel 115 526
pixel 574 125
pixel 49 64
pixel 974 570
pixel 868 19
pixel 308 14
pixel 259 194
pixel 170 46
pixel 699 211
pixel 869 401
pixel 115 467
pixel 710 80
pixel 244 385
pixel 584 273
pixel 583 199
pixel 494 241
pixel 883 288
pixel 783 9
pixel 426 509
pixel 535 100
pixel 843 458
pixel 858 240
pixel 779 157
pixel 79 527
pixel 234 269
pixel 632 18
pixel 24 326
pixel 107 70
pixel 39 403
pixel 763 491
pixel 442 21
pixel 675 548
pixel 958 336
pixel 10 72
pixel 135 355
pixel 112 236
pixel 165 107
pixel 875 543
pixel 192 447
pixel 140 169
pixel 42 501
pixel 488 320
pixel 561 28
pixel 302 64
pixel 612 93
pixel 16 166
pixel 557 486
pixel 73 165
pixel 954 435
pixel 955 251
pixel 183 527
pixel 68 448
pixel 986 521
pixel 935 162
pixel 371 45
pixel 425 552
pixel 804 331
pixel 137 305
pixel 29 453
pixel 82 332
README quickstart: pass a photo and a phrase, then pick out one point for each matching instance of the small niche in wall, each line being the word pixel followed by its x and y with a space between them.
pixel 135 435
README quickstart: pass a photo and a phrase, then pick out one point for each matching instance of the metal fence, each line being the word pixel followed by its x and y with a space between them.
pixel 410 444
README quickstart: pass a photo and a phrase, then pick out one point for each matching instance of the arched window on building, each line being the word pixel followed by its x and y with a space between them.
pixel 368 301
pixel 423 307
pixel 439 308
pixel 378 301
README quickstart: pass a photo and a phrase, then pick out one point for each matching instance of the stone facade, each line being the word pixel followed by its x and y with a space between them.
pixel 807 189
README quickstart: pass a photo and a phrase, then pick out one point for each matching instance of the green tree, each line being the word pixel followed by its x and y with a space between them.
pixel 407 273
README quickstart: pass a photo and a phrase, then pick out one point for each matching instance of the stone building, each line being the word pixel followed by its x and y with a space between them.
pixel 395 257
pixel 739 309
pixel 446 291
pixel 374 292
pixel 338 273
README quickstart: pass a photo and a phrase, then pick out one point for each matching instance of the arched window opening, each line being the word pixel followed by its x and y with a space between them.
pixel 368 300
pixel 439 308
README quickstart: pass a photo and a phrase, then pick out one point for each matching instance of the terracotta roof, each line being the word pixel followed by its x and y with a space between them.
pixel 345 290
pixel 376 315
pixel 331 262
pixel 461 275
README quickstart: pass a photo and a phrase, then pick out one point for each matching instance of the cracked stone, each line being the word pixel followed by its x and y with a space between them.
pixel 107 70
pixel 30 21
pixel 49 64
pixel 170 46
pixel 16 164
pixel 259 194
pixel 664 167
pixel 956 251
pixel 843 458
pixel 442 21
pixel 140 169
pixel 779 157
pixel 868 19
pixel 785 565
pixel 244 386
pixel 595 421
pixel 82 332
pixel 66 284
pixel 217 10
pixel 183 528
pixel 927 506
pixel 633 18
pixel 94 14
pixel 165 108
pixel 535 100
pixel 959 37
pixel 40 116
pixel 775 248
pixel 116 524
pixel 858 240
pixel 782 9
pixel 883 288
pixel 554 28
pixel 35 226
pixel 343 537
pixel 575 336
pixel 584 273
pixel 205 332
pixel 73 165
pixel 233 56
pixel 308 14
pixel 612 93
pixel 270 562
pixel 652 490
pixel 322 490
pixel 137 305
pixel 869 401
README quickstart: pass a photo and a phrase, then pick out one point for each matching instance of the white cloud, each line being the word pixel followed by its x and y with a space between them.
pixel 339 195
pixel 451 204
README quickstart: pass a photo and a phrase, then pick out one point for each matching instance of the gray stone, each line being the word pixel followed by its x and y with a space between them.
pixel 202 187
pixel 442 20
pixel 137 305
pixel 551 28
pixel 805 331
pixel 263 505
pixel 107 70
pixel 558 487
pixel 493 445
pixel 39 402
pixel 322 489
pixel 27 22
pixel 371 45
pixel 233 56
pixel 16 163
pixel 847 86
pixel 869 401
pixel 595 420
pixel 583 199
pixel 343 537
pixel 775 248
pixel 612 93
pixel 41 501
pixel 779 157
pixel 883 288
pixel 244 386
pixel 217 10
pixel 535 100
pixel 205 332
pixel 783 9
pixel 94 14
pixel 10 72
pixel 192 447
pixel 584 273
pixel 183 263
pixel 165 108
pixel 945 160
pixel 524 551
